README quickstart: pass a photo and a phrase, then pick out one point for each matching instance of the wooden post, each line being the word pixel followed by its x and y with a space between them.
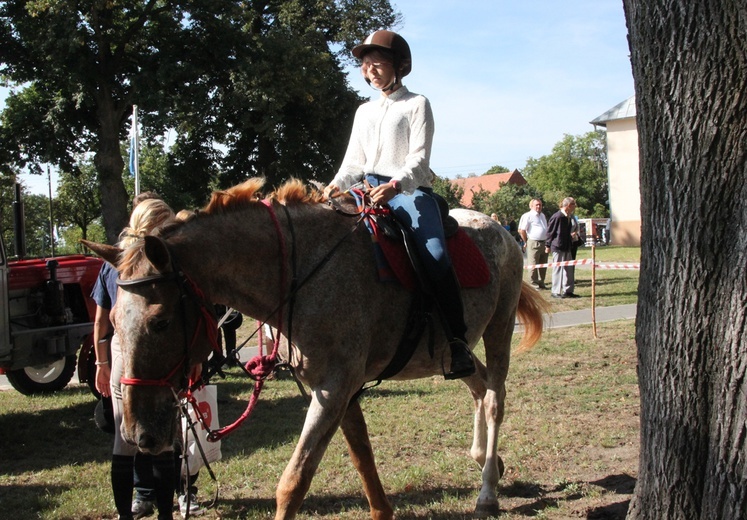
pixel 594 290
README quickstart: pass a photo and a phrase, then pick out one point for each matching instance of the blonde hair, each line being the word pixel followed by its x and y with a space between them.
pixel 185 215
pixel 147 216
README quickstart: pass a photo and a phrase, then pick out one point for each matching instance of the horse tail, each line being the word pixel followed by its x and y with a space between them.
pixel 530 312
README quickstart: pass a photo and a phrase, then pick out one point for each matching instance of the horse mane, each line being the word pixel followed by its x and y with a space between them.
pixel 130 258
pixel 293 191
pixel 246 194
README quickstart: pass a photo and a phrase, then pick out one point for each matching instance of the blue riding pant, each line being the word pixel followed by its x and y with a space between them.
pixel 420 214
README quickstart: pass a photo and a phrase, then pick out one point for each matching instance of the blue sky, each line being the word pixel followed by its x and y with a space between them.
pixel 506 78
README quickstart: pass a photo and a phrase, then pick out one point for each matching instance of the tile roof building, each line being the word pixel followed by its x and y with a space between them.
pixel 490 183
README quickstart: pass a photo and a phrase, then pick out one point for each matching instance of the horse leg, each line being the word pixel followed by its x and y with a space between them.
pixel 489 393
pixel 477 386
pixel 359 446
pixel 319 427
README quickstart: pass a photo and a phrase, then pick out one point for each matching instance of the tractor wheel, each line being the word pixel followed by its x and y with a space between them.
pixel 43 378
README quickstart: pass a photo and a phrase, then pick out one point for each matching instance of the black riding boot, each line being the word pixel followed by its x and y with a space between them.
pixel 164 474
pixel 122 486
pixel 449 302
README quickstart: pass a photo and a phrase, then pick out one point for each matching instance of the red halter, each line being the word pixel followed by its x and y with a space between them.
pixel 206 320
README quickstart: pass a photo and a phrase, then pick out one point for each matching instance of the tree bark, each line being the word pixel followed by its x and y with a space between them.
pixel 109 165
pixel 689 63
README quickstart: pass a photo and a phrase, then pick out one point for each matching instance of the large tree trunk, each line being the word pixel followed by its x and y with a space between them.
pixel 109 166
pixel 690 68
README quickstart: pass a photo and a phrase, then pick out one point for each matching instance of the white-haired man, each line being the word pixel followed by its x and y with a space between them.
pixel 559 241
pixel 533 231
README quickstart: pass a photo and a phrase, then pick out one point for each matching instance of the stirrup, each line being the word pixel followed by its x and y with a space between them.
pixel 461 366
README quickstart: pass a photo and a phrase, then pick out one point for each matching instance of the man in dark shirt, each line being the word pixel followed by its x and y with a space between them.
pixel 559 241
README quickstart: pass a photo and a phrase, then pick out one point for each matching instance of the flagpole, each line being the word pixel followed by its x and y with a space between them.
pixel 135 150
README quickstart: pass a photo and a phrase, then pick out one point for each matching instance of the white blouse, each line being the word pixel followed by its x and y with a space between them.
pixel 392 136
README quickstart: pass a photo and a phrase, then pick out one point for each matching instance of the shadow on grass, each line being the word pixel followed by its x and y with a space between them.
pixel 552 497
pixel 334 505
pixel 543 498
pixel 23 502
pixel 43 439
pixel 286 414
pixel 50 438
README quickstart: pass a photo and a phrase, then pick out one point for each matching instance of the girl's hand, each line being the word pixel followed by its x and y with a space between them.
pixel 330 191
pixel 382 193
pixel 103 375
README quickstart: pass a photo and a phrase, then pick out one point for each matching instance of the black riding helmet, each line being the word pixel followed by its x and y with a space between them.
pixel 391 43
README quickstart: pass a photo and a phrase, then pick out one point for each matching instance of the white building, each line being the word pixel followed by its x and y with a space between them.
pixel 623 172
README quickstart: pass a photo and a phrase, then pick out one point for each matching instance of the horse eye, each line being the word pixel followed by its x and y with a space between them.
pixel 159 325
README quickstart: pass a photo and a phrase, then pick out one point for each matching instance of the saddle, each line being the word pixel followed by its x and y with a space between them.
pixel 397 260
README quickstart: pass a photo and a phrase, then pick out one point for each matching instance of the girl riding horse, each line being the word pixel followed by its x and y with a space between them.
pixel 390 147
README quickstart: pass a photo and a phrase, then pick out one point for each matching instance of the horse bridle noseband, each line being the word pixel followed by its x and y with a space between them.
pixel 187 290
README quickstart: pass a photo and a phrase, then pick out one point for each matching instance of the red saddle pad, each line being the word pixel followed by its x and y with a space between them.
pixel 469 263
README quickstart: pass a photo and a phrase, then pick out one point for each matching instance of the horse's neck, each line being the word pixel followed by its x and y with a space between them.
pixel 236 258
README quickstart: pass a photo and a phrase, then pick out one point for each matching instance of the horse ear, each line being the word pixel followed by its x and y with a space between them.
pixel 105 251
pixel 157 253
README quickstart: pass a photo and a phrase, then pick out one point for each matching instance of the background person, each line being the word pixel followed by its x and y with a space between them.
pixel 559 241
pixel 533 230
pixel 390 147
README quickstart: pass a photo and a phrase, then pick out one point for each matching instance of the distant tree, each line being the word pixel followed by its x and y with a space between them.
pixel 36 219
pixel 68 242
pixel 449 191
pixel 38 237
pixel 509 202
pixel 7 194
pixel 497 169
pixel 161 172
pixel 577 167
pixel 690 72
pixel 77 202
pixel 481 201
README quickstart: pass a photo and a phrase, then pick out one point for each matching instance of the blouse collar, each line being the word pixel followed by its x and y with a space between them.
pixel 395 96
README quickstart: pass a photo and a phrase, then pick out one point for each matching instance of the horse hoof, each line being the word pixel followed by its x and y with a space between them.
pixel 487 510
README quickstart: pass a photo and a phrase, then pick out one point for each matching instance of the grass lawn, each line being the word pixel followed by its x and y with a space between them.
pixel 569 442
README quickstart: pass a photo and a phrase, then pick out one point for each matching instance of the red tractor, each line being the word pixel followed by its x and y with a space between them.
pixel 46 317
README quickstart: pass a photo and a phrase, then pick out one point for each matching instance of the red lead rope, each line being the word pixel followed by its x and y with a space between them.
pixel 259 367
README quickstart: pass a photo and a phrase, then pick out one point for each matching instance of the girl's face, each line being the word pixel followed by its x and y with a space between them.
pixel 378 70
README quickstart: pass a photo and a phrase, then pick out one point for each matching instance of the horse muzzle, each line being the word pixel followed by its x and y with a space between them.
pixel 149 420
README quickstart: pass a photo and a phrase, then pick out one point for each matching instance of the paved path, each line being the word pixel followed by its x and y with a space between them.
pixel 571 318
pixel 552 321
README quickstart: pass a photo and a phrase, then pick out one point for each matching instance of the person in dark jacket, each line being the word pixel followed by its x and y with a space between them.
pixel 560 242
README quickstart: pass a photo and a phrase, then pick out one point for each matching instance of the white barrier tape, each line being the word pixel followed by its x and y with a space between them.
pixel 561 264
pixel 585 261
pixel 618 266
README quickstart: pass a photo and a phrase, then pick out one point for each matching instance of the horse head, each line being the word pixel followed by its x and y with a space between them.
pixel 165 328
